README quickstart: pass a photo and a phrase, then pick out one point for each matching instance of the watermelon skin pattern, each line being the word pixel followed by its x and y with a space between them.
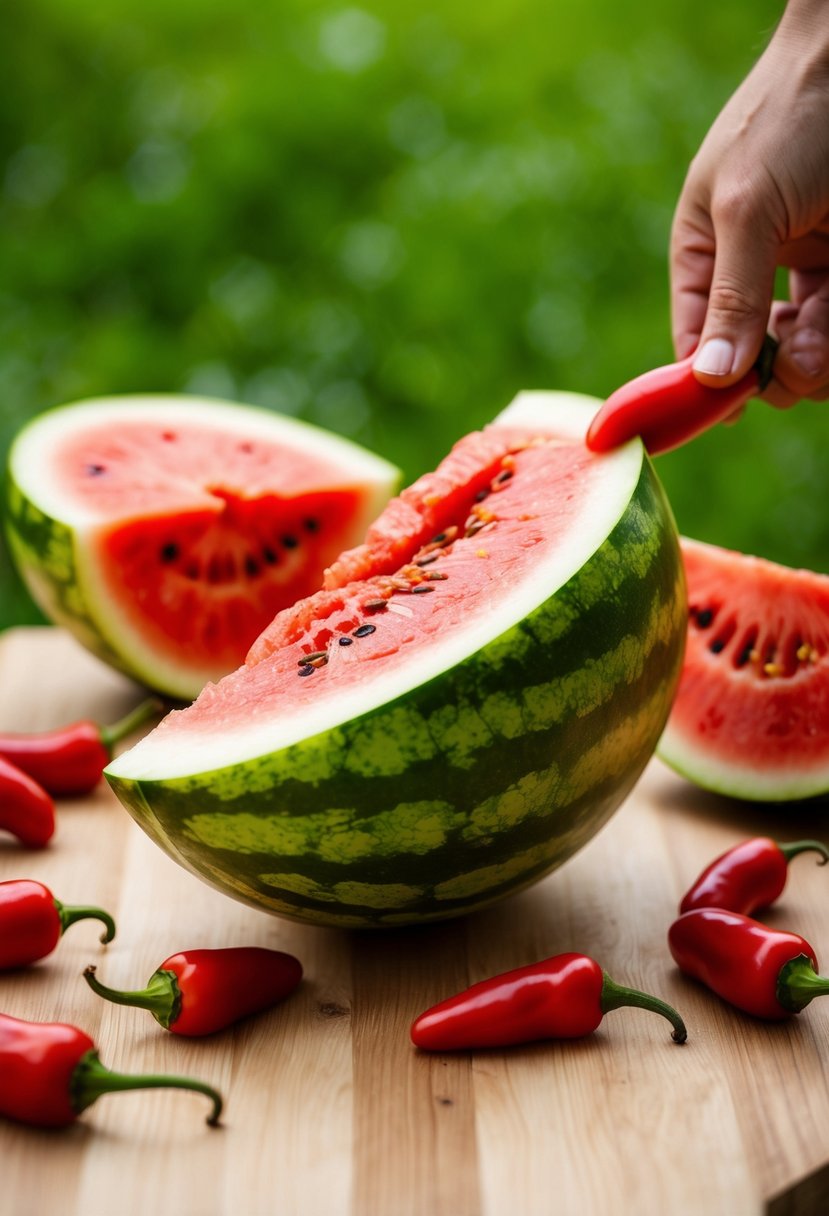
pixel 466 788
pixel 44 552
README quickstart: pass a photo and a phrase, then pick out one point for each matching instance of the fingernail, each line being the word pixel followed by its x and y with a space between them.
pixel 808 354
pixel 715 358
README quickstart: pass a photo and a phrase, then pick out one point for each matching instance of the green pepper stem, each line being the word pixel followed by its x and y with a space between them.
pixel 615 996
pixel 162 995
pixel 90 1079
pixel 793 847
pixel 765 361
pixel 798 983
pixel 116 731
pixel 70 913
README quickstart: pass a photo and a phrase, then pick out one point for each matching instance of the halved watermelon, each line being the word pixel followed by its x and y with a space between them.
pixel 165 532
pixel 751 717
pixel 462 707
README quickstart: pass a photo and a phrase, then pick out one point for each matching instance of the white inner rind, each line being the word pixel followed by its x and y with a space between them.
pixel 181 752
pixel 34 448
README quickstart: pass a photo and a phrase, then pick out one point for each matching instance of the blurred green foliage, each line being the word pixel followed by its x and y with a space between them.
pixel 385 217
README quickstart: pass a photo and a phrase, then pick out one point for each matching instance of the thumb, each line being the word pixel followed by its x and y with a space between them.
pixel 739 301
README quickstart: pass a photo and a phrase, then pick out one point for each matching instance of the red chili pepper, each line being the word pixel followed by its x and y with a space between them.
pixel 769 973
pixel 71 759
pixel 50 1073
pixel 26 810
pixel 201 991
pixel 563 997
pixel 749 876
pixel 32 922
pixel 668 406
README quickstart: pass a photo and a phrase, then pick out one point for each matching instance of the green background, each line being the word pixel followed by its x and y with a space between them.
pixel 386 218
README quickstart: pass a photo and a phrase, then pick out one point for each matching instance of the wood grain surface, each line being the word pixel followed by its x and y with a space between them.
pixel 330 1109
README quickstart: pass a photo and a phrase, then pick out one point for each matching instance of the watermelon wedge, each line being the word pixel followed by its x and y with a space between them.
pixel 166 532
pixel 751 717
pixel 465 703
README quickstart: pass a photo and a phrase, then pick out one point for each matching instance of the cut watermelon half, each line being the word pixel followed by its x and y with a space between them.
pixel 751 717
pixel 166 532
pixel 463 705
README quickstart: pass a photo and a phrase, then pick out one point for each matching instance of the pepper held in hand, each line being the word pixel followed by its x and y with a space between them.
pixel 748 877
pixel 769 973
pixel 32 922
pixel 71 759
pixel 26 810
pixel 50 1072
pixel 563 997
pixel 199 992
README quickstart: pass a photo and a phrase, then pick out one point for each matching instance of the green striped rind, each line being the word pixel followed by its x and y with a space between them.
pixel 44 552
pixel 468 787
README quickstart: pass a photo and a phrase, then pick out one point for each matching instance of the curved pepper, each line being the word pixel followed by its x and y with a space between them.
pixel 563 997
pixel 70 760
pixel 668 406
pixel 50 1073
pixel 26 810
pixel 199 992
pixel 32 922
pixel 769 973
pixel 749 876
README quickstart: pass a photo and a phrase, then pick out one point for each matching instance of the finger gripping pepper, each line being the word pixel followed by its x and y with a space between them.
pixel 749 876
pixel 668 406
pixel 32 922
pixel 50 1073
pixel 563 997
pixel 199 992
pixel 770 973
pixel 26 810
pixel 70 760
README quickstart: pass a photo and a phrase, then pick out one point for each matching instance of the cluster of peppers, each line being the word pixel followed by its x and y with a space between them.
pixel 766 972
pixel 769 973
pixel 67 762
pixel 50 1072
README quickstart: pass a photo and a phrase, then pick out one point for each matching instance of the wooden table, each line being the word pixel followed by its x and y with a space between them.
pixel 331 1111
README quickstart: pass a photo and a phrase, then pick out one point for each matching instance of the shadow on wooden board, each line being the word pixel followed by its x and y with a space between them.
pixel 809 1197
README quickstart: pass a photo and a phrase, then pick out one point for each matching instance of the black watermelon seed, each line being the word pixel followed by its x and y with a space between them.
pixel 251 566
pixel 269 556
pixel 311 525
pixel 482 494
pixel 307 670
pixel 95 470
pixel 169 552
pixel 363 631
pixel 717 646
pixel 505 476
pixel 346 641
pixel 704 618
pixel 290 542
pixel 421 589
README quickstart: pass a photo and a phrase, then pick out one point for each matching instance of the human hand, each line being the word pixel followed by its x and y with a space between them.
pixel 757 197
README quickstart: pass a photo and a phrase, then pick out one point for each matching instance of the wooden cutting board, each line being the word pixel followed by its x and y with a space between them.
pixel 329 1108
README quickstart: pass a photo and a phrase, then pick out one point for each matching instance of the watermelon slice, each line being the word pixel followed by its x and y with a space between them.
pixel 464 704
pixel 166 532
pixel 751 717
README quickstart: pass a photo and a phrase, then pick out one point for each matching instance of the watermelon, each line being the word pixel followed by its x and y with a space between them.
pixel 462 706
pixel 751 717
pixel 166 532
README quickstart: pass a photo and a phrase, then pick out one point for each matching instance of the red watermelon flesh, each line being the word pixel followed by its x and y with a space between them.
pixel 458 547
pixel 193 523
pixel 751 717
